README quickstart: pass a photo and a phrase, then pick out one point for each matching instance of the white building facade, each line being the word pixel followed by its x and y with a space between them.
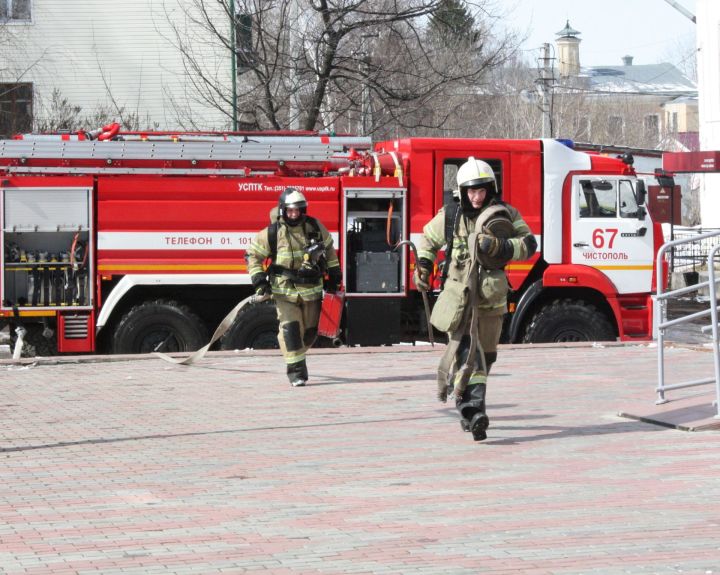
pixel 708 65
pixel 117 56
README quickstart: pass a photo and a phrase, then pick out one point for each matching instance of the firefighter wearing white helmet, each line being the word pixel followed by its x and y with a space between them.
pixel 302 262
pixel 481 234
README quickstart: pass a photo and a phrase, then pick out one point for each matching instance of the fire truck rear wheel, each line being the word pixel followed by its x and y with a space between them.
pixel 256 327
pixel 159 325
pixel 568 320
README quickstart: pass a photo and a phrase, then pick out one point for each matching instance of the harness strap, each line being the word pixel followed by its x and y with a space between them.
pixel 272 239
pixel 297 276
pixel 452 217
pixel 273 234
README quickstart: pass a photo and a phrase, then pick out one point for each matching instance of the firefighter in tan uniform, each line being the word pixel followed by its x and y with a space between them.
pixel 474 298
pixel 301 253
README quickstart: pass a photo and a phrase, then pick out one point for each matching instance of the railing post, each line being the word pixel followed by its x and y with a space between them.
pixel 714 318
pixel 658 320
pixel 660 312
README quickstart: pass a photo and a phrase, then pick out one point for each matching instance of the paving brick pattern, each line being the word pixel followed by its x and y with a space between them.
pixel 141 467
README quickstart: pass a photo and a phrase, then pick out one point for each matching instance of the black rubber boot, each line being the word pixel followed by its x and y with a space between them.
pixel 490 358
pixel 461 356
pixel 479 425
pixel 297 373
pixel 472 410
pixel 460 401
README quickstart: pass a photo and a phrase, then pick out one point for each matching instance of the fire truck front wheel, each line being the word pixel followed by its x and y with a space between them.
pixel 568 320
pixel 255 327
pixel 159 325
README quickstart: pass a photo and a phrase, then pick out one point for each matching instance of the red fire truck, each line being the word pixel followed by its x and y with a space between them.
pixel 135 242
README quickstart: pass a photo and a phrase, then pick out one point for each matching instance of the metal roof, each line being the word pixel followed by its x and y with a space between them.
pixel 568 31
pixel 662 79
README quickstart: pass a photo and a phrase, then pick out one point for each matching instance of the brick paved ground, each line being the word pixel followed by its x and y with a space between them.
pixel 141 467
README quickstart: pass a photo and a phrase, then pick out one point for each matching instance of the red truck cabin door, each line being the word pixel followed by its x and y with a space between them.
pixel 610 233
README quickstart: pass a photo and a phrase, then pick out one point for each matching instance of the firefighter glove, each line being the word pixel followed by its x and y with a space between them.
pixel 333 280
pixel 442 392
pixel 260 284
pixel 421 277
pixel 494 247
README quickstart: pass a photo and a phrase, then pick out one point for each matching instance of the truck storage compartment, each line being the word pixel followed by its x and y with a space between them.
pixel 75 331
pixel 46 235
pixel 372 321
pixel 375 223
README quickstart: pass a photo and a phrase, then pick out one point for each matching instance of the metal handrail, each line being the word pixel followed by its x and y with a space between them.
pixel 690 257
pixel 661 322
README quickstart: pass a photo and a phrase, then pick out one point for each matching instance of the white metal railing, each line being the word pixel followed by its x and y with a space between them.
pixel 662 323
pixel 691 256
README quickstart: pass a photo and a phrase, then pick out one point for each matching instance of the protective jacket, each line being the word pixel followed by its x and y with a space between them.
pixel 494 286
pixel 296 272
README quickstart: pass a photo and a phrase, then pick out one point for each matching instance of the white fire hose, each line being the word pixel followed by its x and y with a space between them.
pixel 219 332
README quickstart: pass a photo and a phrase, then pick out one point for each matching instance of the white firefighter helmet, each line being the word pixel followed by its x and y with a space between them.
pixel 292 198
pixel 473 174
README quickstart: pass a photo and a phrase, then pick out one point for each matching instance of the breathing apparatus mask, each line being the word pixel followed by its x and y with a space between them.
pixel 314 264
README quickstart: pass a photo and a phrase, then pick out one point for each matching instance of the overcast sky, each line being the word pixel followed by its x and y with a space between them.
pixel 652 31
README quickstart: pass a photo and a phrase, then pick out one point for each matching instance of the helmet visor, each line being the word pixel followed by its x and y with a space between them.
pixel 479 183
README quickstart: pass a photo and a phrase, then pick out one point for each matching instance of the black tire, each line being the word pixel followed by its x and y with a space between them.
pixel 255 327
pixel 159 325
pixel 568 320
pixel 35 344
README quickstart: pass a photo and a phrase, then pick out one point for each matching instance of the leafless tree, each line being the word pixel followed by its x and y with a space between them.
pixel 347 65
pixel 683 55
pixel 56 113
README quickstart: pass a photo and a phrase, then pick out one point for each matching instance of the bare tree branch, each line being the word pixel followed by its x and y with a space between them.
pixel 339 63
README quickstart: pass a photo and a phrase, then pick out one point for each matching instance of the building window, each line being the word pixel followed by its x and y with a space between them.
pixel 15 109
pixel 244 52
pixel 15 10
pixel 651 127
pixel 615 128
pixel 582 129
pixel 671 119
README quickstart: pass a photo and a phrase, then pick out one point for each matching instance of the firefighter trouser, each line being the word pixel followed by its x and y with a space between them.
pixel 489 329
pixel 472 399
pixel 298 329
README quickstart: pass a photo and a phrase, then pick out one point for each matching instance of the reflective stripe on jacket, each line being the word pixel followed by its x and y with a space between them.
pixel 291 243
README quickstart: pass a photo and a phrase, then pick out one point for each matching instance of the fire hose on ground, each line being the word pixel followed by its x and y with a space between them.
pixel 219 332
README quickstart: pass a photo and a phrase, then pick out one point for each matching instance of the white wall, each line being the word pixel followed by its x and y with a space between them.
pixel 708 43
pixel 98 52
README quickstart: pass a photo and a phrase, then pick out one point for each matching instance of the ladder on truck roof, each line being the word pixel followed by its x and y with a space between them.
pixel 292 137
pixel 241 155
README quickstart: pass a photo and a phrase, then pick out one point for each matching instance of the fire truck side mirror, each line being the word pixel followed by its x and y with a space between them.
pixel 641 193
